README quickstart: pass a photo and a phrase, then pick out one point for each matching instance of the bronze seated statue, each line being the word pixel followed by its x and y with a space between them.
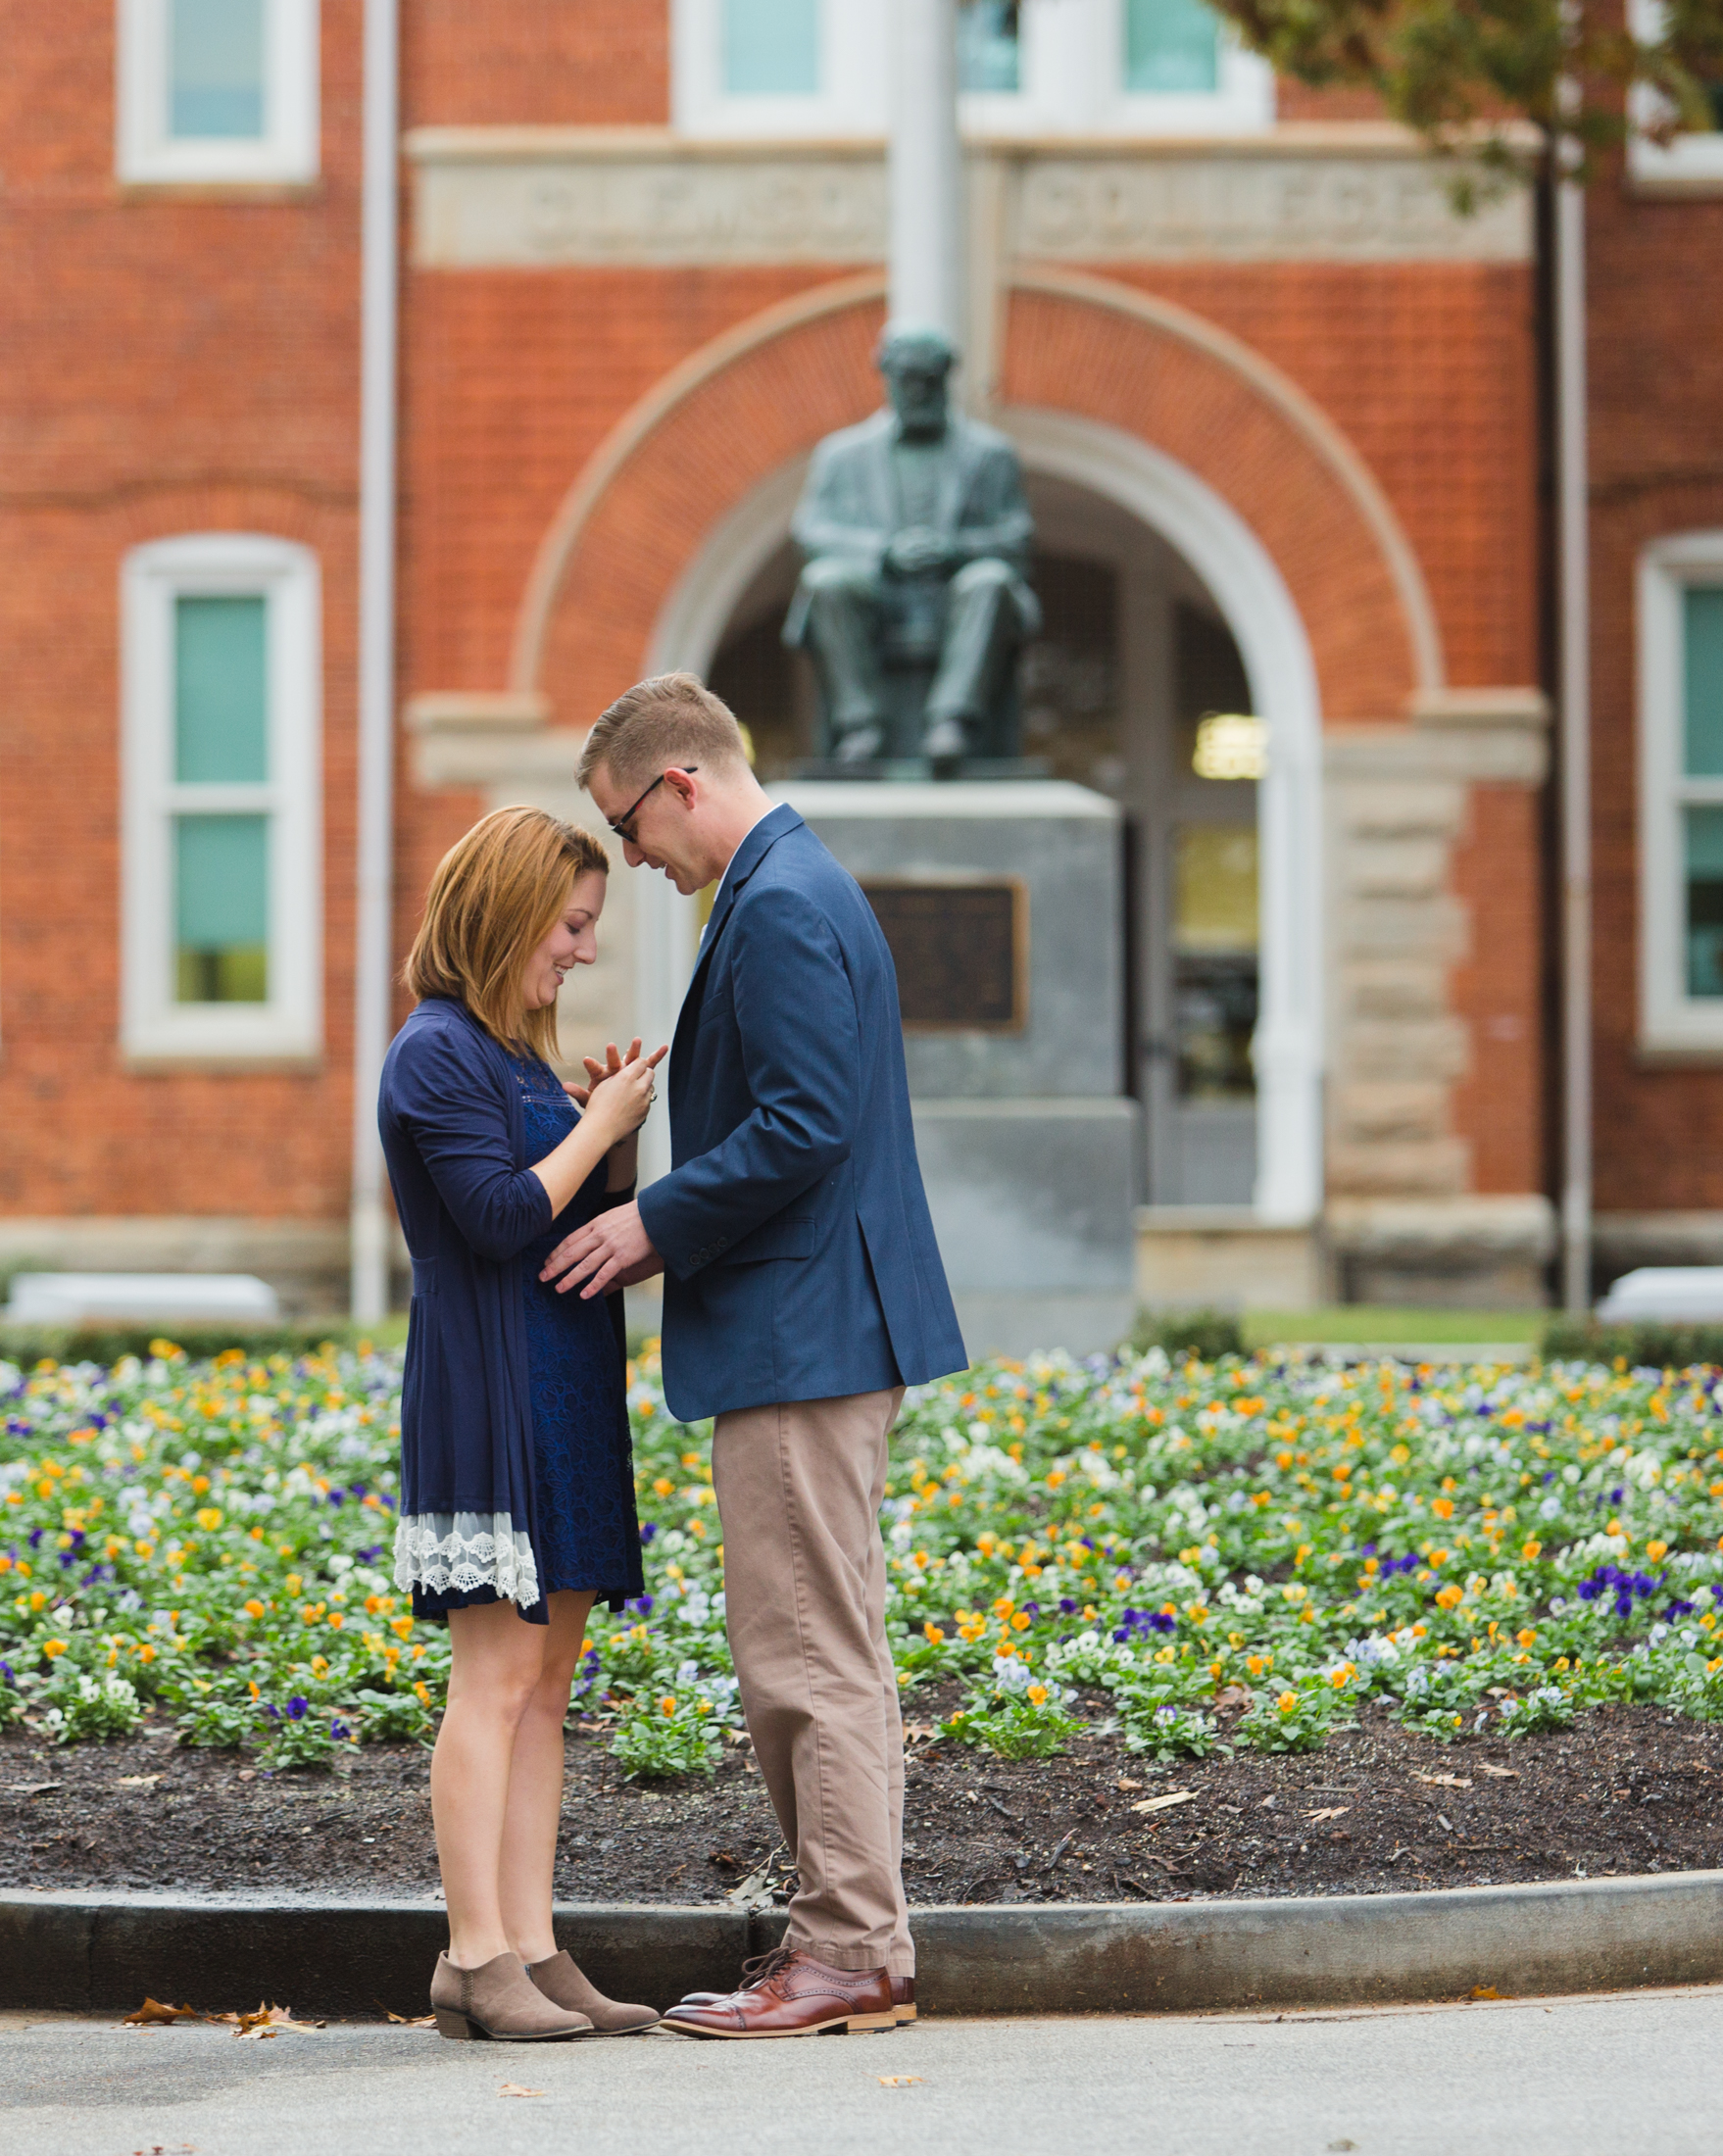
pixel 913 602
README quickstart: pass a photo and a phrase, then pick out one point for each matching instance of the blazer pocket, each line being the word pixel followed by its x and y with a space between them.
pixel 777 1238
pixel 721 1004
pixel 424 1276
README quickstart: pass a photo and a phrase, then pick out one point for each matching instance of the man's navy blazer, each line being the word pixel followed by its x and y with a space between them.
pixel 799 1254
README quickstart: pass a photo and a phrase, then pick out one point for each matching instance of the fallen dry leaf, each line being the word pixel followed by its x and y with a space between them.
pixel 1502 1774
pixel 1330 1811
pixel 152 2010
pixel 1485 1992
pixel 268 2021
pixel 515 2088
pixel 136 1780
pixel 900 2081
pixel 414 2021
pixel 1444 1780
pixel 918 1732
pixel 1161 1803
pixel 1234 1695
pixel 1126 1783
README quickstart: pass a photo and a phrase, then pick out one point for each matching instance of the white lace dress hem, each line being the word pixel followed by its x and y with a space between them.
pixel 457 1552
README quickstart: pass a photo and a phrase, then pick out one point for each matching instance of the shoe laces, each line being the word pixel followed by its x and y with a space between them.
pixel 759 1974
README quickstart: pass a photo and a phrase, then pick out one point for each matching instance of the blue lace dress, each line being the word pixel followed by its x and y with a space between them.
pixel 583 1461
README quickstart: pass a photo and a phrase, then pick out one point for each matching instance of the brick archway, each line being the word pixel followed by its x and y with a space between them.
pixel 752 402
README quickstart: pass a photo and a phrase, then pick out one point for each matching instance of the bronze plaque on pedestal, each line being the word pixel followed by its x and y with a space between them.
pixel 959 948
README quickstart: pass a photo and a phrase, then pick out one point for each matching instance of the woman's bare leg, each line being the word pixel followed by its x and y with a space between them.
pixel 535 1787
pixel 498 1661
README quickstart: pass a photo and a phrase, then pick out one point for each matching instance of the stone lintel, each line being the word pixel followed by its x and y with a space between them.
pixel 646 196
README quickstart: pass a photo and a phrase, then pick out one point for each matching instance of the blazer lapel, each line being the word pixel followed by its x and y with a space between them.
pixel 748 857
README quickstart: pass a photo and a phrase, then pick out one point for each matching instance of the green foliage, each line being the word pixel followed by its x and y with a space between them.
pixel 1464 72
pixel 1023 1723
pixel 1645 1345
pixel 1165 1732
pixel 660 1737
pixel 29 1345
pixel 217 1721
pixel 388 1717
pixel 1209 1334
pixel 78 1705
pixel 1292 1719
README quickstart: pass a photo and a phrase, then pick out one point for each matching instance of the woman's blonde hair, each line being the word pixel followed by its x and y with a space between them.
pixel 494 899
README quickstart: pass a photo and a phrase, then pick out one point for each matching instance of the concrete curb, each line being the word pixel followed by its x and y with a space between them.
pixel 80 1950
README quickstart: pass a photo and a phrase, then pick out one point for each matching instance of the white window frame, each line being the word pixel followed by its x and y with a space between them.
pixel 287 151
pixel 853 101
pixel 1690 165
pixel 1072 81
pixel 228 564
pixel 1670 1019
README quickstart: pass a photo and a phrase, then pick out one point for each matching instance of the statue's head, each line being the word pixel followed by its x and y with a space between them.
pixel 917 363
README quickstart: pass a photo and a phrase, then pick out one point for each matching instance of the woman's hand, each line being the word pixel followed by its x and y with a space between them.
pixel 611 1068
pixel 619 1095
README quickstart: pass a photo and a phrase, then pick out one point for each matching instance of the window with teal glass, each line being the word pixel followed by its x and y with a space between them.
pixel 221 908
pixel 1702 668
pixel 989 45
pixel 771 48
pixel 220 690
pixel 216 70
pixel 1172 48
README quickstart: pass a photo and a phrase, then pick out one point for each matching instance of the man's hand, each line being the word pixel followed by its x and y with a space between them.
pixel 916 551
pixel 613 1251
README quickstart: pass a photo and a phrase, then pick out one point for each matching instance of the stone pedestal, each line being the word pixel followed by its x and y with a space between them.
pixel 1004 903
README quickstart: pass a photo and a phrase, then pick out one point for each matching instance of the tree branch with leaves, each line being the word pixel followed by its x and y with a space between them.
pixel 1507 86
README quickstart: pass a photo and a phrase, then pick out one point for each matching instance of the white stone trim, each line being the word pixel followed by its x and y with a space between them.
pixel 532 197
pixel 1669 1017
pixel 153 1026
pixel 287 151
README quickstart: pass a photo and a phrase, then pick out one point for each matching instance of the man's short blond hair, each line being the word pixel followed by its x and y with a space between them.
pixel 667 722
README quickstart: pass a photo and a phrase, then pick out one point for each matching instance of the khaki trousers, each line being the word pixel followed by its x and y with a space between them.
pixel 799 1488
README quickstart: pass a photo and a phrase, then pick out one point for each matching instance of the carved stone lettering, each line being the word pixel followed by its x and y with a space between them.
pixel 959 948
pixel 483 201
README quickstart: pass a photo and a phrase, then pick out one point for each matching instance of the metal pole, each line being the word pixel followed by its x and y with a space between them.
pixel 926 169
pixel 1573 527
pixel 376 654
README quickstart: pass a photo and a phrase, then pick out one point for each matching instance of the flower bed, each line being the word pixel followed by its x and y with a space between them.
pixel 1238 1554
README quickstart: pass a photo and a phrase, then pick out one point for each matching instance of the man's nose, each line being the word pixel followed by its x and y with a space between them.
pixel 632 854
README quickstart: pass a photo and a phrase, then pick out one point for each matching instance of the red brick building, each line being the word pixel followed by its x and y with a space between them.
pixel 1277 411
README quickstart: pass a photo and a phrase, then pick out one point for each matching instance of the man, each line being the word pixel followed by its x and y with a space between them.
pixel 918 538
pixel 803 1291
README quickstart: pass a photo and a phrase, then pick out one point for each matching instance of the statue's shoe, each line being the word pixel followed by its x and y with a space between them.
pixel 561 1980
pixel 793 1996
pixel 945 740
pixel 861 745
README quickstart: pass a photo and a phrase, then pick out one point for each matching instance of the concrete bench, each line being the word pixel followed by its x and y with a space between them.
pixel 142 1298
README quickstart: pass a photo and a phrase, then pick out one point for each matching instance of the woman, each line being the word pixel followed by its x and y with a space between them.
pixel 517 1486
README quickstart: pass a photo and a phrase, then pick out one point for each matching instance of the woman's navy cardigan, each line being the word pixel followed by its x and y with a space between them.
pixel 454 1136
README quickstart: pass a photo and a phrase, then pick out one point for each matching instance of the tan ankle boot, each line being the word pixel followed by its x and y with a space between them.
pixel 498 2000
pixel 560 1979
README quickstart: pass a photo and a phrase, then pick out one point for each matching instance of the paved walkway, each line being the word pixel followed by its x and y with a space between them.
pixel 1607 2075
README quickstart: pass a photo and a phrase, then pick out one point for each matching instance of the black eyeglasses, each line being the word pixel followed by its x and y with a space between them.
pixel 619 824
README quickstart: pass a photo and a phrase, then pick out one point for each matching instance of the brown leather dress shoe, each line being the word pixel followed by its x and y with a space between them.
pixel 903 1996
pixel 791 1996
pixel 561 1980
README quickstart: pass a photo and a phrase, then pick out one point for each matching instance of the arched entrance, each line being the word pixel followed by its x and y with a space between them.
pixel 1161 607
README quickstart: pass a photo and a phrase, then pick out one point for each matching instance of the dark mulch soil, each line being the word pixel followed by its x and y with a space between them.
pixel 1625 1790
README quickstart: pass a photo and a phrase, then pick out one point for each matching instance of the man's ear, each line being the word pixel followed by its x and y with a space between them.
pixel 683 785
